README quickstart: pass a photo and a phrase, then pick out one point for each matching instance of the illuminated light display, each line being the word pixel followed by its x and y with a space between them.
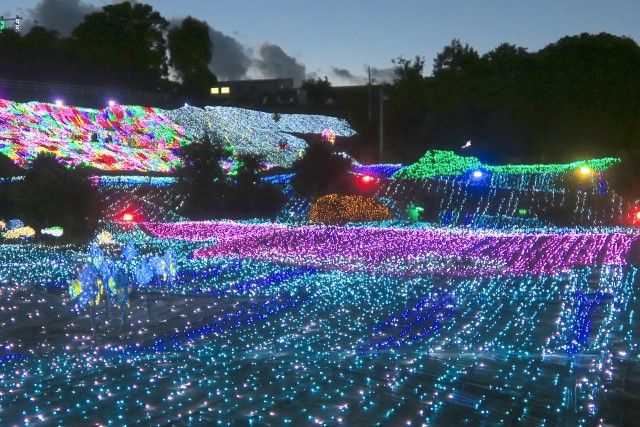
pixel 127 217
pixel 316 337
pixel 367 179
pixel 256 132
pixel 126 138
pixel 378 170
pixel 414 212
pixel 585 170
pixel 501 321
pixel 447 163
pixel 329 135
pixel 53 231
pixel 337 209
pixel 429 250
pixel 548 192
pixel 133 138
pixel 104 237
pixel 633 216
pixel 19 233
pixel 366 182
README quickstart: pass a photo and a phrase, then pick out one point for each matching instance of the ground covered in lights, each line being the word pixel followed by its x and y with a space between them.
pixel 270 324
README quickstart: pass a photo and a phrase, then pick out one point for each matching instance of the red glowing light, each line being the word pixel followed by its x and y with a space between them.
pixel 127 217
pixel 634 216
pixel 366 182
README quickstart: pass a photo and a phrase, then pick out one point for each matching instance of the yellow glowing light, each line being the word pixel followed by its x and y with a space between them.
pixel 105 238
pixel 585 170
pixel 20 232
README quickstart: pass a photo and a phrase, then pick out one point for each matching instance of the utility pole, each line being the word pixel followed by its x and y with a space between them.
pixel 381 120
pixel 369 93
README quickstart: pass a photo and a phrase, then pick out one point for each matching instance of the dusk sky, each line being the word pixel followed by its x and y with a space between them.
pixel 339 38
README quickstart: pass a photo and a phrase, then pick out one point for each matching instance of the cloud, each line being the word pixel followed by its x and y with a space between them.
pixel 60 15
pixel 231 59
pixel 275 63
pixel 378 75
pixel 382 75
pixel 346 75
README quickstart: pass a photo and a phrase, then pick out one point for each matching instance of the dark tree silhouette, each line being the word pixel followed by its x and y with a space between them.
pixel 210 194
pixel 249 171
pixel 8 168
pixel 407 71
pixel 53 195
pixel 202 179
pixel 249 197
pixel 321 171
pixel 318 91
pixel 455 59
pixel 191 51
pixel 576 98
pixel 127 39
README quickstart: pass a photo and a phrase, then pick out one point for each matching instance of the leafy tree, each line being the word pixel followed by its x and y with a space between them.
pixel 249 172
pixel 406 104
pixel 191 50
pixel 7 167
pixel 321 171
pixel 127 39
pixel 318 91
pixel 249 197
pixel 209 194
pixel 53 195
pixel 455 59
pixel 407 71
pixel 201 178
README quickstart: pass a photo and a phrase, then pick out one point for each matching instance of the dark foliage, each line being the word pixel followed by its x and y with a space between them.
pixel 321 171
pixel 202 179
pixel 123 45
pixel 191 51
pixel 253 201
pixel 625 177
pixel 53 195
pixel 8 168
pixel 126 38
pixel 574 99
pixel 318 91
pixel 210 194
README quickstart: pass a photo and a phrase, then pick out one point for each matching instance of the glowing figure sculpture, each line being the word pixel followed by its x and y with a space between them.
pixel 329 135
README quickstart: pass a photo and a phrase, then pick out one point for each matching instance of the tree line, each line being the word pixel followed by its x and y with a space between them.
pixel 123 45
pixel 576 98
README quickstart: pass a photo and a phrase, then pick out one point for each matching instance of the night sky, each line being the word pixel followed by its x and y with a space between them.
pixel 339 38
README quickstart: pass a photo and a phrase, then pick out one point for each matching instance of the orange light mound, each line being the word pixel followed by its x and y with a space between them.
pixel 336 209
